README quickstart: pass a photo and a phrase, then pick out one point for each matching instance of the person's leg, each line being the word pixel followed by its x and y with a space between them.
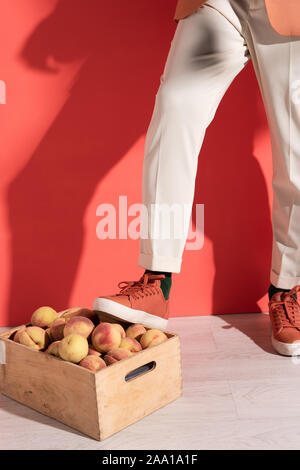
pixel 277 66
pixel 206 54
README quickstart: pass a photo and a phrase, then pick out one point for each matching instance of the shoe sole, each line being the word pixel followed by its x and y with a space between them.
pixel 129 314
pixel 286 349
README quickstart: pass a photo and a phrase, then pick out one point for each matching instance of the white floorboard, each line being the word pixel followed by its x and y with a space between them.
pixel 238 394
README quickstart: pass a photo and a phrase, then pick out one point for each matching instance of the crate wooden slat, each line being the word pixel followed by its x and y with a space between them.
pixel 122 403
pixel 56 388
pixel 97 404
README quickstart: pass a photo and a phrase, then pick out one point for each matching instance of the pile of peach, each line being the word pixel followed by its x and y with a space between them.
pixel 72 335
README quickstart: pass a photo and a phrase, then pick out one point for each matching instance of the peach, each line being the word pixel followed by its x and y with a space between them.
pixel 93 363
pixel 120 328
pixel 43 317
pixel 73 348
pixel 17 334
pixel 135 331
pixel 93 352
pixel 152 337
pixel 106 337
pixel 76 312
pixel 116 355
pixel 131 344
pixel 79 325
pixel 57 329
pixel 34 337
pixel 53 349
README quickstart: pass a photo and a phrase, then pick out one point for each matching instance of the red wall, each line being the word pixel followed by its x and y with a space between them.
pixel 81 80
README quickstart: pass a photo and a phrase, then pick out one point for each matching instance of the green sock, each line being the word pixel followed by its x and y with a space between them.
pixel 272 290
pixel 165 284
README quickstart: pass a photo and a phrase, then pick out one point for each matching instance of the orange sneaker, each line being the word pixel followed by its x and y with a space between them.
pixel 138 302
pixel 285 320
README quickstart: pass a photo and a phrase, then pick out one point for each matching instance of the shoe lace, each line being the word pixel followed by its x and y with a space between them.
pixel 145 286
pixel 286 312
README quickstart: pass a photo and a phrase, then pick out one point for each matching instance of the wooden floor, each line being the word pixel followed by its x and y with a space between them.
pixel 238 394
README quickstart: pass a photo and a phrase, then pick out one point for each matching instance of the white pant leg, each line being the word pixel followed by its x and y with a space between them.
pixel 206 54
pixel 277 63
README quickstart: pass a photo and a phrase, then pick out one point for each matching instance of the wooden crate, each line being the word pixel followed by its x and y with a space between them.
pixel 97 404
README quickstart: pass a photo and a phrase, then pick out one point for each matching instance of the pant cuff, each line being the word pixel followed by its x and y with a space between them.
pixel 159 263
pixel 284 282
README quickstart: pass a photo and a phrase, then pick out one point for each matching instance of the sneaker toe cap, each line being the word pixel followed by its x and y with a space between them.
pixel 121 299
pixel 288 335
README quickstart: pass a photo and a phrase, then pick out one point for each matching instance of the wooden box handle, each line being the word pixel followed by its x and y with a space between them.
pixel 146 368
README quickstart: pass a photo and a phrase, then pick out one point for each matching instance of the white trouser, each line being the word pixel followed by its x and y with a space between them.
pixel 209 49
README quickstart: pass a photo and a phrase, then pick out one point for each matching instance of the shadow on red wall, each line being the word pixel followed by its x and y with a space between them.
pixel 109 108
